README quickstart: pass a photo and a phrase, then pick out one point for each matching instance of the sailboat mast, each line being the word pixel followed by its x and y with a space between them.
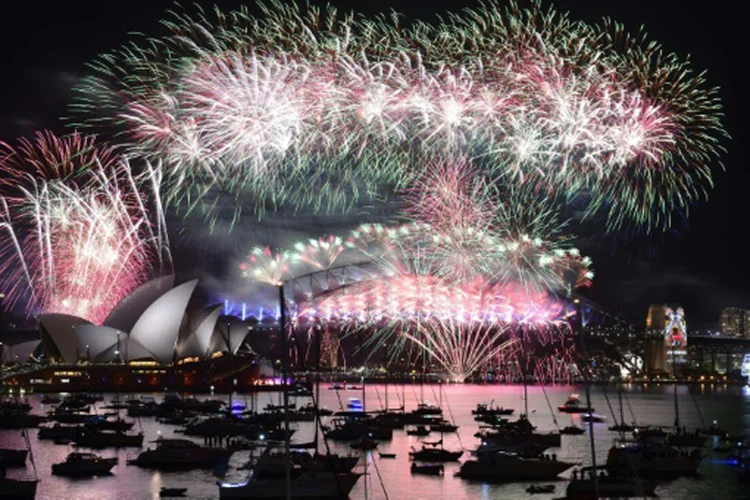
pixel 676 406
pixel 316 405
pixel 579 326
pixel 619 398
pixel 285 392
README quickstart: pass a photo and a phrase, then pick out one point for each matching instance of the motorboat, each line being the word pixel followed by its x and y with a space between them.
pixel 420 430
pixel 49 399
pixel 90 438
pixel 56 432
pixel 572 430
pixel 573 405
pixel 84 464
pixel 308 485
pixel 13 458
pixel 428 469
pixel 102 423
pixel 387 455
pixel 364 444
pixel 655 460
pixel 427 409
pixel 180 454
pixel 511 467
pixel 623 427
pixel 608 486
pixel 435 454
pixel 443 427
pixel 485 409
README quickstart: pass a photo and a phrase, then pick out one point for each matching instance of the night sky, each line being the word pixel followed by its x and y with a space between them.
pixel 702 264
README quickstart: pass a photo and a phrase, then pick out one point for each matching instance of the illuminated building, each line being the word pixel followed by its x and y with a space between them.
pixel 666 333
pixel 735 322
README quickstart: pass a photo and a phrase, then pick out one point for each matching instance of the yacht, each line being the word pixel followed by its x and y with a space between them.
pixel 180 454
pixel 90 438
pixel 485 409
pixel 572 430
pixel 84 464
pixel 57 431
pixel 655 459
pixel 509 467
pixel 609 487
pixel 435 454
pixel 573 405
pixel 307 485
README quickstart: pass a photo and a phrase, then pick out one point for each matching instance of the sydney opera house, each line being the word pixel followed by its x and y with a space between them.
pixel 150 339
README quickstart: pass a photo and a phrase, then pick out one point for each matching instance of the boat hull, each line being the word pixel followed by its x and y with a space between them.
pixel 306 486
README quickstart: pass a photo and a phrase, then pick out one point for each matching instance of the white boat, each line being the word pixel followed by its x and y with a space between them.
pixel 309 485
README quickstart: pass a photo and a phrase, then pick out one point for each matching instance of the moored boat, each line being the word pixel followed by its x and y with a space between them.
pixel 573 405
pixel 180 454
pixel 318 485
pixel 84 464
pixel 510 467
pixel 428 469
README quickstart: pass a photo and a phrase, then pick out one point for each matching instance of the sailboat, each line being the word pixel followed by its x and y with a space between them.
pixel 590 484
pixel 434 451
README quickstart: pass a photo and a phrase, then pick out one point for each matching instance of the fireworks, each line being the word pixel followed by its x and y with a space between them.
pixel 78 234
pixel 266 266
pixel 456 292
pixel 302 104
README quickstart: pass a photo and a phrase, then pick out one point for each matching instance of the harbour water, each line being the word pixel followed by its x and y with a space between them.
pixel 391 479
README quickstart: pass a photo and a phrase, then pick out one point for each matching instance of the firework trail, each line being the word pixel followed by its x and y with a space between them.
pixel 302 104
pixel 80 234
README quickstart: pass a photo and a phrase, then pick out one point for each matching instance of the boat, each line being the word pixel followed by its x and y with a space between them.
pixel 13 458
pixel 434 454
pixel 572 430
pixel 90 438
pixel 573 405
pixel 427 409
pixel 84 464
pixel 180 454
pixel 364 444
pixel 56 432
pixel 652 460
pixel 511 467
pixel 428 469
pixel 547 488
pixel 593 417
pixel 387 455
pixel 20 489
pixel 420 430
pixel 307 485
pixel 608 486
pixel 443 427
pixel 485 409
pixel 49 399
pixel 172 492
pixel 622 428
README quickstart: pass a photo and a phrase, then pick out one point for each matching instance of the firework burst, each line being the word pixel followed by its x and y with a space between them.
pixel 302 104
pixel 80 230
